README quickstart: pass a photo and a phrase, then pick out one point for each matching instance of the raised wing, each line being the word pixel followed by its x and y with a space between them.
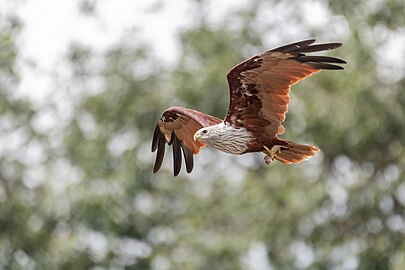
pixel 260 86
pixel 176 127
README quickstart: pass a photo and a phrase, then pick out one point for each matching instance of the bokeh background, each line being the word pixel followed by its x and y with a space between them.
pixel 83 83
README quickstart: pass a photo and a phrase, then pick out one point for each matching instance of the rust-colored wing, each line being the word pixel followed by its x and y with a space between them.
pixel 260 86
pixel 177 127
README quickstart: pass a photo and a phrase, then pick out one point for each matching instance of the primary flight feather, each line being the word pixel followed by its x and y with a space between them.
pixel 259 88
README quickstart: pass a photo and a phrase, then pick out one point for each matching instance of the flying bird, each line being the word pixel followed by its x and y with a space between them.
pixel 259 98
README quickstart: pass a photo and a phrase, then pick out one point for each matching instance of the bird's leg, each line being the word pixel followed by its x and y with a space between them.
pixel 271 153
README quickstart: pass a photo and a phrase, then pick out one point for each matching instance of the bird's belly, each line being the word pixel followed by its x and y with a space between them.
pixel 230 148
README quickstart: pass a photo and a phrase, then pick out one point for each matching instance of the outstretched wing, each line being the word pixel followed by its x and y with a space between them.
pixel 177 127
pixel 260 86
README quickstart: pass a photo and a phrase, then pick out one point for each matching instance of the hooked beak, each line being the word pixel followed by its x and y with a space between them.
pixel 197 136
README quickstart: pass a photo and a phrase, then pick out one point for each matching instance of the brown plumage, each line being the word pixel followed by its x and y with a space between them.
pixel 176 127
pixel 259 88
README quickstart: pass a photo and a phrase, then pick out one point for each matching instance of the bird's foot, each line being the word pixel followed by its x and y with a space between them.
pixel 268 160
pixel 271 153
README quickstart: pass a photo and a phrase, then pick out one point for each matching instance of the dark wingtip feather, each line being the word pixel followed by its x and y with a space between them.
pixel 324 66
pixel 155 140
pixel 160 152
pixel 176 155
pixel 315 58
pixel 316 48
pixel 298 49
pixel 293 46
pixel 188 157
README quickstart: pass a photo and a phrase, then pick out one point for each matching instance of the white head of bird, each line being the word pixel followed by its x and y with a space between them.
pixel 206 134
pixel 225 137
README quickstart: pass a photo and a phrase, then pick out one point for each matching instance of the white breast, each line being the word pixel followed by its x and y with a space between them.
pixel 230 139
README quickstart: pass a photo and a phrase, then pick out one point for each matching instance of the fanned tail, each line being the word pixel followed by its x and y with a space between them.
pixel 295 153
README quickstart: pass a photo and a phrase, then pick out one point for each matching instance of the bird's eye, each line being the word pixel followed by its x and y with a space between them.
pixel 204 131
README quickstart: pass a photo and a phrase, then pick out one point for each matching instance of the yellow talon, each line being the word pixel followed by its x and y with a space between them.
pixel 271 153
pixel 267 149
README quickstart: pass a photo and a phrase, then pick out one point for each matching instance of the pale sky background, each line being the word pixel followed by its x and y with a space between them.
pixel 51 26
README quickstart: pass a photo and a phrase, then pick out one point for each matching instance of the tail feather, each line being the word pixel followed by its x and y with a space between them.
pixel 295 153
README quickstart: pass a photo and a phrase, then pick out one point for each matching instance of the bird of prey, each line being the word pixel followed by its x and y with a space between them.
pixel 259 97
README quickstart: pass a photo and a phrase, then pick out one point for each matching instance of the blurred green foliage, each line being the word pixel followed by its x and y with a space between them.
pixel 81 195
